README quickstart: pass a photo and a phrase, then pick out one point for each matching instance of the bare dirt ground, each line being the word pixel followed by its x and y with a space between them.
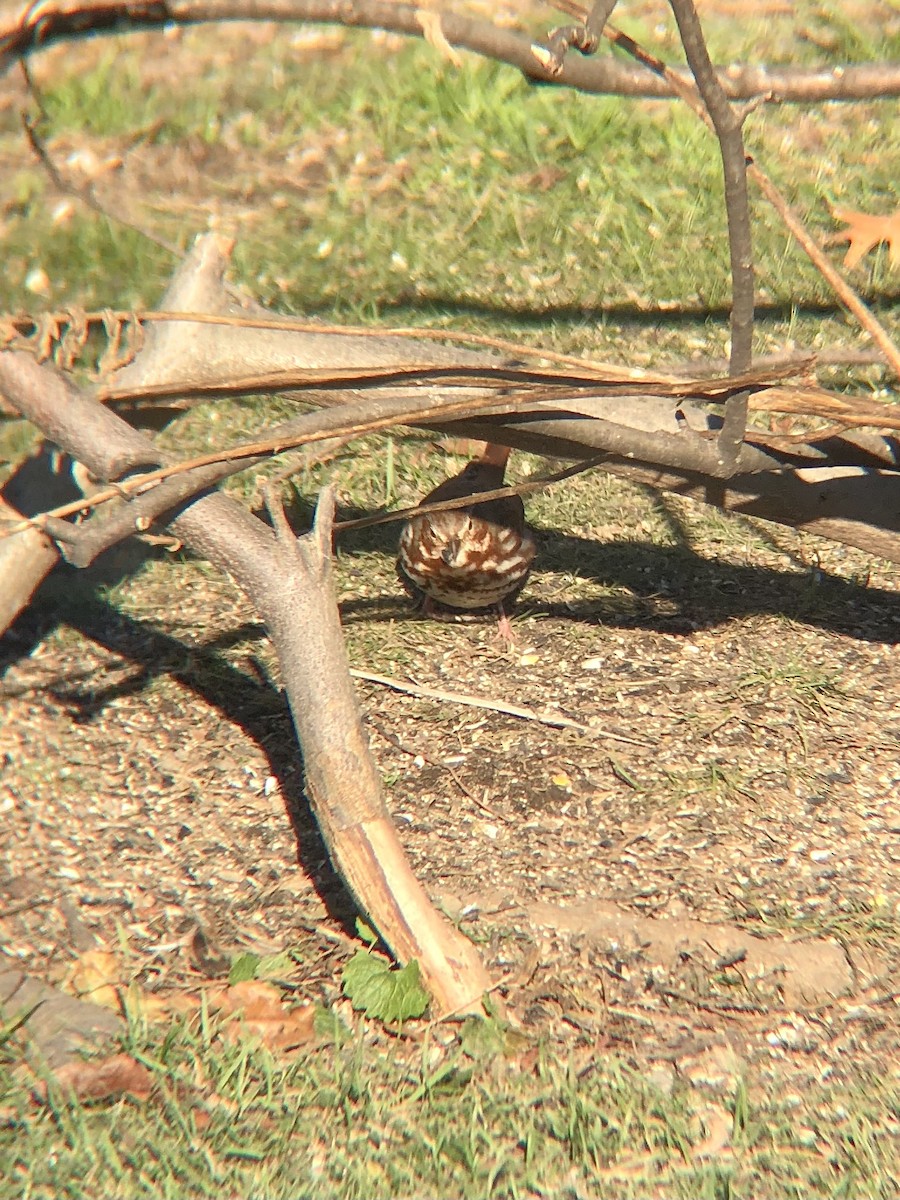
pixel 150 788
pixel 737 778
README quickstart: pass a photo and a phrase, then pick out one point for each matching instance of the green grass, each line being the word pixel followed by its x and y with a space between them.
pixel 111 99
pixel 432 204
pixel 472 1118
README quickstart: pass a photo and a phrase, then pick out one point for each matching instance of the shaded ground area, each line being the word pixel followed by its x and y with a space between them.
pixel 702 878
pixel 738 767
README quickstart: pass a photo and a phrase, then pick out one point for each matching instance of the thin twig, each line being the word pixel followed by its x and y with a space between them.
pixel 808 243
pixel 796 362
pixel 518 489
pixel 85 193
pixel 313 457
pixel 541 716
pixel 136 485
pixel 26 906
pixel 353 420
pixel 725 1008
pixel 538 383
pixel 727 126
pixel 820 260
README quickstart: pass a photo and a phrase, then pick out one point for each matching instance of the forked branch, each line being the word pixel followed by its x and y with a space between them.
pixel 290 585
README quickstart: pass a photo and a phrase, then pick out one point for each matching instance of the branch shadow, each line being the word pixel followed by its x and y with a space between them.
pixel 253 702
pixel 699 592
pixel 673 589
pixel 434 304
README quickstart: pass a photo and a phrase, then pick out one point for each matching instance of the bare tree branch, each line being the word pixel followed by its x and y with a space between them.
pixel 795 226
pixel 711 104
pixel 25 560
pixel 727 126
pixel 649 432
pixel 559 427
pixel 43 24
pixel 290 584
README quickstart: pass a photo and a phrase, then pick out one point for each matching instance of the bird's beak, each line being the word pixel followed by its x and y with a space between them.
pixel 450 552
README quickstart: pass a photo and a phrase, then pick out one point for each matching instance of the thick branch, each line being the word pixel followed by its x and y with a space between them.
pixel 851 504
pixel 292 592
pixel 664 436
pixel 26 559
pixel 831 503
pixel 28 556
pixel 43 24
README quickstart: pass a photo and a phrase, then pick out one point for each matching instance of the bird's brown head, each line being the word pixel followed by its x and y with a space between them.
pixel 450 536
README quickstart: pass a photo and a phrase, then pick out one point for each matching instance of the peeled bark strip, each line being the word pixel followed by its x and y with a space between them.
pixel 290 585
pixel 652 439
pixel 645 434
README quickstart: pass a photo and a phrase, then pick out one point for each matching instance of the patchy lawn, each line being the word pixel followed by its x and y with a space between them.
pixel 691 899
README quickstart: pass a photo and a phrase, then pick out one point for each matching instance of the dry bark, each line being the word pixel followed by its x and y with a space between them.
pixel 667 443
pixel 26 559
pixel 22 32
pixel 291 588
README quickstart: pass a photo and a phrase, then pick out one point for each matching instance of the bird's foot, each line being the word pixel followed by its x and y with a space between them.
pixel 504 628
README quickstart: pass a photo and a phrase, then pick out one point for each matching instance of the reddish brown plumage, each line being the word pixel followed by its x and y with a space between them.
pixel 464 562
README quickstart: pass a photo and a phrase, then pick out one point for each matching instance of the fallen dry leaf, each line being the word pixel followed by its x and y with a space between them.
pixel 865 231
pixel 256 1007
pixel 253 997
pixel 717 1124
pixel 96 977
pixel 146 1005
pixel 96 1080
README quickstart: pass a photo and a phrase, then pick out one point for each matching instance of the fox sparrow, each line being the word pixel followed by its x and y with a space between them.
pixel 463 562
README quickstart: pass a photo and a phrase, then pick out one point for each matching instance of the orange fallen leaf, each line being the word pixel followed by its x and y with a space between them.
pixel 717 1125
pixel 146 1005
pixel 96 977
pixel 95 1080
pixel 252 997
pixel 99 978
pixel 865 231
pixel 256 1007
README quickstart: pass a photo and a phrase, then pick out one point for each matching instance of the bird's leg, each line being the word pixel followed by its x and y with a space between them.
pixel 504 628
